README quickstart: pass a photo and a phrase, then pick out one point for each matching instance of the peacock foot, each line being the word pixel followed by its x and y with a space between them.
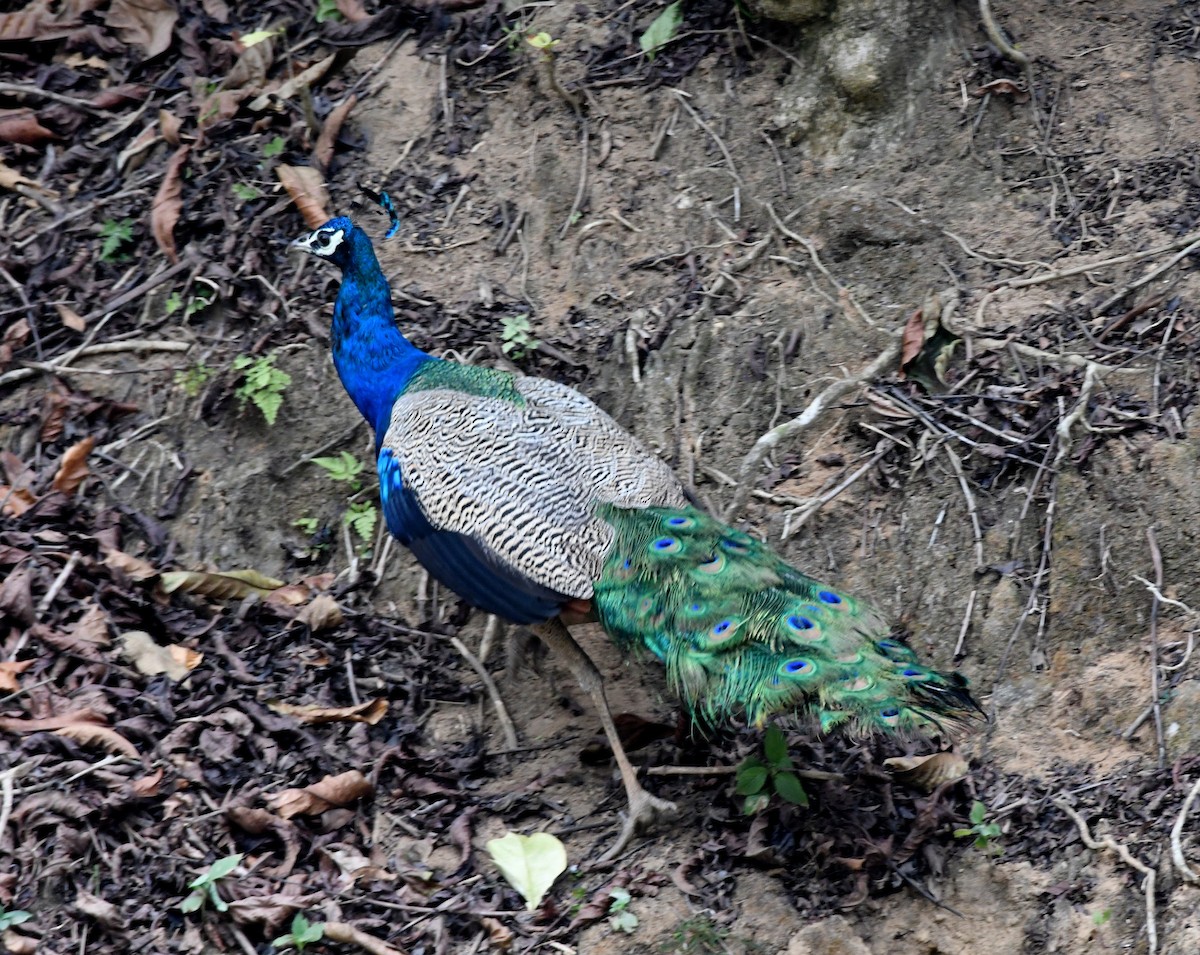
pixel 645 810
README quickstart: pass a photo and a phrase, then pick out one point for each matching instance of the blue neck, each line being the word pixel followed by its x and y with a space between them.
pixel 373 359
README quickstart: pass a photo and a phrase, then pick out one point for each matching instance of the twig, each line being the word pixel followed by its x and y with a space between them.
pixel 59 582
pixel 6 799
pixel 681 96
pixel 1071 360
pixel 790 528
pixel 1155 701
pixel 972 511
pixel 61 367
pixel 1125 856
pixel 1078 413
pixel 1176 834
pixel 1147 278
pixel 83 106
pixel 801 423
pixel 998 38
pixel 966 624
pixel 581 189
pixel 506 724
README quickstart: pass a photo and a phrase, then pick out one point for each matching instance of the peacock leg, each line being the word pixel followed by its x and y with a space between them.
pixel 644 808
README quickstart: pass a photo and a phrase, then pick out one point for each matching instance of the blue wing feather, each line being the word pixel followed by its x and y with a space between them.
pixel 458 561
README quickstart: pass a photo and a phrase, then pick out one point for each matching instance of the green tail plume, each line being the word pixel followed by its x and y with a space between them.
pixel 740 631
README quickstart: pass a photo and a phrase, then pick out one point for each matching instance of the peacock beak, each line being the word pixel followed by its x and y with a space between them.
pixel 303 244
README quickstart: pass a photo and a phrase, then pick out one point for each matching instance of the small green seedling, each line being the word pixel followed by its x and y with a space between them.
pixel 327 10
pixel 1101 918
pixel 662 30
pixel 204 887
pixel 984 832
pixel 11 917
pixel 197 303
pixel 274 148
pixel 361 517
pixel 516 340
pixel 619 916
pixel 262 384
pixel 758 779
pixel 303 934
pixel 308 525
pixel 116 236
pixel 345 467
pixel 194 379
pixel 245 192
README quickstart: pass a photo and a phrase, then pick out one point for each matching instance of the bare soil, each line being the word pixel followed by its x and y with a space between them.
pixel 702 243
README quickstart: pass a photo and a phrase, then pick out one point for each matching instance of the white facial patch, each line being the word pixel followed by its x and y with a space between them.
pixel 324 242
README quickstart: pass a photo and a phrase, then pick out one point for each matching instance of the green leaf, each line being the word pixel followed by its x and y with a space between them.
pixel 274 147
pixel 663 29
pixel 361 518
pixel 774 745
pixel 755 803
pixel 15 917
pixel 978 812
pixel 751 779
pixel 623 921
pixel 529 863
pixel 789 788
pixel 192 902
pixel 345 467
pixel 620 899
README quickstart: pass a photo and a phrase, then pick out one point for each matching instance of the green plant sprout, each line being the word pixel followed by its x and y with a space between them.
pixel 274 148
pixel 11 917
pixel 758 779
pixel 619 916
pixel 262 384
pixel 662 30
pixel 116 236
pixel 544 43
pixel 245 192
pixel 345 467
pixel 984 832
pixel 328 10
pixel 204 887
pixel 516 340
pixel 197 303
pixel 361 517
pixel 302 934
pixel 308 525
pixel 194 379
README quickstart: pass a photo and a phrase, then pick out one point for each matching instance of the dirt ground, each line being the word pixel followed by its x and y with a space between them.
pixel 702 244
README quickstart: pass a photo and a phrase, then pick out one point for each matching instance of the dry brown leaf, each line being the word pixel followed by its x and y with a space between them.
pixel 168 204
pixel 340 790
pixel 132 156
pixel 14 943
pixel 89 734
pixel 229 585
pixel 42 20
pixel 249 73
pixel 21 126
pixel 15 501
pixel 92 628
pixel 132 567
pixel 70 318
pixel 146 23
pixel 151 659
pixel 307 188
pixel 912 339
pixel 353 10
pixel 99 909
pixel 349 935
pixel 500 936
pixel 16 596
pixel 322 613
pixel 170 124
pixel 927 772
pixel 13 724
pixel 354 865
pixel 370 712
pixel 10 178
pixel 288 89
pixel 147 786
pixel 323 150
pixel 8 674
pixel 73 469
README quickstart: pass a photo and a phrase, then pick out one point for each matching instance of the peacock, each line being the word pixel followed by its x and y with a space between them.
pixel 529 502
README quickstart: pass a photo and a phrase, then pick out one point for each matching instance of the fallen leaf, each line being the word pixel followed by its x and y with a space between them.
pixel 132 567
pixel 323 150
pixel 21 126
pixel 9 670
pixel 312 800
pixel 73 469
pixel 290 88
pixel 529 863
pixel 354 865
pixel 370 712
pixel 927 772
pixel 92 628
pixel 912 339
pixel 90 734
pixel 349 935
pixel 228 585
pixel 15 501
pixel 168 204
pixel 15 943
pixel 145 23
pixel 147 786
pixel 10 179
pixel 13 724
pixel 70 318
pixel 16 594
pixel 170 125
pixel 306 186
pixel 99 909
pixel 322 613
pixel 150 658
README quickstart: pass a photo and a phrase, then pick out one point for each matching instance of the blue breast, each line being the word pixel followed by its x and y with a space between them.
pixel 458 561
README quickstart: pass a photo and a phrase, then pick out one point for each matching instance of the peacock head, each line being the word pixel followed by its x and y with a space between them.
pixel 334 241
